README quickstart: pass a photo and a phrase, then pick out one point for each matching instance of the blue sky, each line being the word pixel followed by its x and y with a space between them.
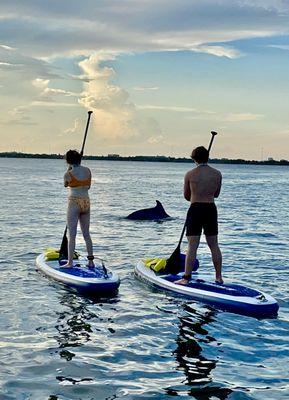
pixel 159 76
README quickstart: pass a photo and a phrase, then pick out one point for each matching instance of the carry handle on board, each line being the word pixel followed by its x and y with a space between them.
pixel 63 252
pixel 173 262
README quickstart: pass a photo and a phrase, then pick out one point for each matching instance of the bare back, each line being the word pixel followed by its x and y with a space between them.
pixel 202 184
pixel 81 174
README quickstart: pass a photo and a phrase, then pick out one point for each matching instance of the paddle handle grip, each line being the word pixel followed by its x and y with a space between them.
pixel 213 133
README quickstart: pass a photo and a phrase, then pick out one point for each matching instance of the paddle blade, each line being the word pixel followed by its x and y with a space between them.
pixel 63 252
pixel 173 265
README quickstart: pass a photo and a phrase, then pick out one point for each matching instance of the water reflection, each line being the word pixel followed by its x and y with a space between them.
pixel 73 325
pixel 76 325
pixel 190 355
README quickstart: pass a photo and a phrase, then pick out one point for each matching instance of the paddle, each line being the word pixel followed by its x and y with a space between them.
pixel 63 252
pixel 173 262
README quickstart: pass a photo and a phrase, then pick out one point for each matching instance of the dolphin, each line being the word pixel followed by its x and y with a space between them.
pixel 157 212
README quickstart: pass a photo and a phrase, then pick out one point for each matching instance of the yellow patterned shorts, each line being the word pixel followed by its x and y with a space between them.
pixel 82 203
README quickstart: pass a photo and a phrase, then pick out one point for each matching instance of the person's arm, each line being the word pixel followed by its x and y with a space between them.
pixel 66 179
pixel 217 193
pixel 90 177
pixel 187 189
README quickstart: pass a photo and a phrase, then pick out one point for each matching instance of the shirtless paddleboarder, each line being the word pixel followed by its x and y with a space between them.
pixel 201 186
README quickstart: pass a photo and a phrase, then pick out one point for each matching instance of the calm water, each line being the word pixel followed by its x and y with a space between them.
pixel 143 344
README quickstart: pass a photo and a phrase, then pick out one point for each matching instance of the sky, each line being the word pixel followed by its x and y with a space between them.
pixel 159 75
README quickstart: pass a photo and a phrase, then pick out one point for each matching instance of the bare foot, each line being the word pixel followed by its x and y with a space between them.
pixel 182 282
pixel 91 264
pixel 67 265
pixel 219 281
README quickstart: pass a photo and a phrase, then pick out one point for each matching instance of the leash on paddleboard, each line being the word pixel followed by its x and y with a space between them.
pixel 173 262
pixel 105 272
pixel 63 252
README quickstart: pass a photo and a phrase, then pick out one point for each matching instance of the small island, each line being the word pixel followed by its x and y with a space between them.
pixel 117 157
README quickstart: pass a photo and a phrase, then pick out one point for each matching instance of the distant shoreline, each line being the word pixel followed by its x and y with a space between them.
pixel 115 157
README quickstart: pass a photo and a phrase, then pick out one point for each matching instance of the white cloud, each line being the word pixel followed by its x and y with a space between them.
pixel 4 46
pixel 77 127
pixel 18 111
pixel 115 115
pixel 50 95
pixel 19 115
pixel 45 29
pixel 219 51
pixel 26 66
pixel 145 88
pixel 9 66
pixel 229 117
pixel 205 114
pixel 51 103
pixel 35 33
pixel 40 83
pixel 279 46
pixel 239 117
pixel 167 108
pixel 155 139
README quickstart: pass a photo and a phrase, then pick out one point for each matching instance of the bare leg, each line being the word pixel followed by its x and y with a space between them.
pixel 72 220
pixel 216 256
pixel 190 258
pixel 84 220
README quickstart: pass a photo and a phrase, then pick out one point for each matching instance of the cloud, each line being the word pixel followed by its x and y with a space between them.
pixel 77 127
pixel 19 115
pixel 279 46
pixel 239 117
pixel 156 139
pixel 178 109
pixel 40 83
pixel 8 65
pixel 229 117
pixel 42 43
pixel 116 116
pixel 26 66
pixel 45 30
pixel 3 46
pixel 205 114
pixel 219 51
pixel 48 94
pixel 145 88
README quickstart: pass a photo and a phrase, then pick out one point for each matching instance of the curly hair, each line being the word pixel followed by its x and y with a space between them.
pixel 73 157
pixel 200 155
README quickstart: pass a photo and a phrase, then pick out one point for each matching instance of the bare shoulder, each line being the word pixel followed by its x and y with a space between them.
pixel 66 175
pixel 86 169
pixel 215 171
pixel 189 174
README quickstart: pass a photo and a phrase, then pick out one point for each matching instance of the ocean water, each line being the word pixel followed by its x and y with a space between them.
pixel 143 343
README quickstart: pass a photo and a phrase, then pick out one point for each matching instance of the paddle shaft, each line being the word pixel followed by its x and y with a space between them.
pixel 213 133
pixel 63 247
pixel 85 134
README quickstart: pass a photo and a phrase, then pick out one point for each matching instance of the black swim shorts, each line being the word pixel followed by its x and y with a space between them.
pixel 202 216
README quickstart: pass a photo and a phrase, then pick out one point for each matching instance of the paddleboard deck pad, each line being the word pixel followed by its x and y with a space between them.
pixel 95 281
pixel 229 296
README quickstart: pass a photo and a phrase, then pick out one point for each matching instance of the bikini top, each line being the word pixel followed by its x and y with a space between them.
pixel 74 182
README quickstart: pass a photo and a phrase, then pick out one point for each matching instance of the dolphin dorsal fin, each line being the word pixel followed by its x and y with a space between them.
pixel 159 205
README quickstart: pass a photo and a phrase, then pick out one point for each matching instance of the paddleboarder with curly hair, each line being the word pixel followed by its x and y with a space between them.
pixel 78 180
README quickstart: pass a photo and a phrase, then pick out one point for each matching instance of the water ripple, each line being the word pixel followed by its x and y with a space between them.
pixel 144 343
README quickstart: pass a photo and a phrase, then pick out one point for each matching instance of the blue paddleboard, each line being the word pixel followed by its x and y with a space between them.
pixel 229 296
pixel 95 281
